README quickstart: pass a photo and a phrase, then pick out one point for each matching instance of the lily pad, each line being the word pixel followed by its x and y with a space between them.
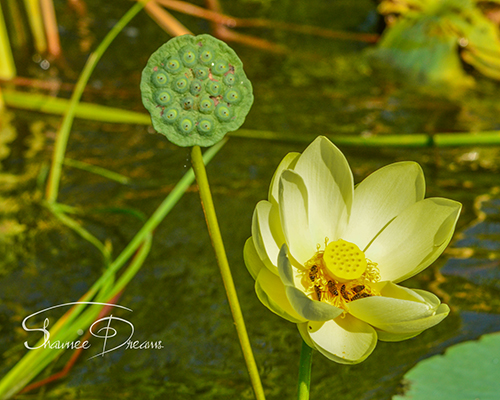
pixel 469 370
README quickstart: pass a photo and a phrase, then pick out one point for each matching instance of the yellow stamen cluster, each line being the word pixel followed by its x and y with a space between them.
pixel 339 274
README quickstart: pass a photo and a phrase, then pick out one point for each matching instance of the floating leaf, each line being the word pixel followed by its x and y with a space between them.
pixel 469 370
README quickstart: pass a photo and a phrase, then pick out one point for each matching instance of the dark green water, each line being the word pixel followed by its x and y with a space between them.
pixel 321 87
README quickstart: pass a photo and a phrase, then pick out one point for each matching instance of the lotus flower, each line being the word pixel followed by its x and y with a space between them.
pixel 329 256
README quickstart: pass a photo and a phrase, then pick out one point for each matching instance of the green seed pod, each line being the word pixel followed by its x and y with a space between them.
pixel 207 55
pixel 230 79
pixel 196 87
pixel 164 97
pixel 160 78
pixel 207 105
pixel 223 112
pixel 188 102
pixel 181 84
pixel 173 65
pixel 201 73
pixel 206 125
pixel 195 102
pixel 188 56
pixel 220 67
pixel 186 125
pixel 171 115
pixel 213 88
pixel 233 96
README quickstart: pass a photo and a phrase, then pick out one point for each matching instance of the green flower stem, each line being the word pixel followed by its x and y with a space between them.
pixel 114 176
pixel 215 235
pixel 304 372
pixel 63 134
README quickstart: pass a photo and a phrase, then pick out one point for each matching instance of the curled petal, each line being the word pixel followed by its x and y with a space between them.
pixel 308 309
pixel 271 292
pixel 288 162
pixel 252 260
pixel 381 197
pixel 414 239
pixel 267 234
pixel 345 340
pixel 293 203
pixel 399 310
pixel 329 183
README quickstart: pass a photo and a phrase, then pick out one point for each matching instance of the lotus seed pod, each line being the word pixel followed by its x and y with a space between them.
pixel 196 90
pixel 230 79
pixel 196 87
pixel 207 105
pixel 214 88
pixel 188 56
pixel 164 97
pixel 220 67
pixel 201 73
pixel 171 115
pixel 186 125
pixel 188 102
pixel 206 125
pixel 160 78
pixel 173 65
pixel 232 96
pixel 223 112
pixel 181 84
pixel 207 55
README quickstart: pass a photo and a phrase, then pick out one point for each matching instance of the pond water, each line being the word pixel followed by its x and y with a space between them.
pixel 322 86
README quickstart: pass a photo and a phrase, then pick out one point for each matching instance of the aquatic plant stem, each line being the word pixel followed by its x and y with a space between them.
pixel 63 134
pixel 304 372
pixel 220 253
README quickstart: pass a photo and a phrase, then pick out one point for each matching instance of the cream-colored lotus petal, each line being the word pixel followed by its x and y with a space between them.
pixel 288 162
pixel 345 340
pixel 293 202
pixel 304 332
pixel 330 187
pixel 381 197
pixel 418 325
pixel 310 310
pixel 398 309
pixel 267 234
pixel 414 239
pixel 271 292
pixel 252 260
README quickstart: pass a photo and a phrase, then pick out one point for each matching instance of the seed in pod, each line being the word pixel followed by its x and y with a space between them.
pixel 233 96
pixel 171 115
pixel 186 125
pixel 188 102
pixel 181 84
pixel 207 55
pixel 223 112
pixel 220 67
pixel 230 79
pixel 164 97
pixel 196 87
pixel 201 73
pixel 173 65
pixel 160 78
pixel 206 105
pixel 214 88
pixel 206 125
pixel 188 56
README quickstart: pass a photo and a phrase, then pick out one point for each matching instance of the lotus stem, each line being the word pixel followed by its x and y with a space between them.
pixel 220 253
pixel 304 372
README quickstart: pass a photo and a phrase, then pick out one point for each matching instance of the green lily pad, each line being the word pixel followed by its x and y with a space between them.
pixel 197 82
pixel 469 370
